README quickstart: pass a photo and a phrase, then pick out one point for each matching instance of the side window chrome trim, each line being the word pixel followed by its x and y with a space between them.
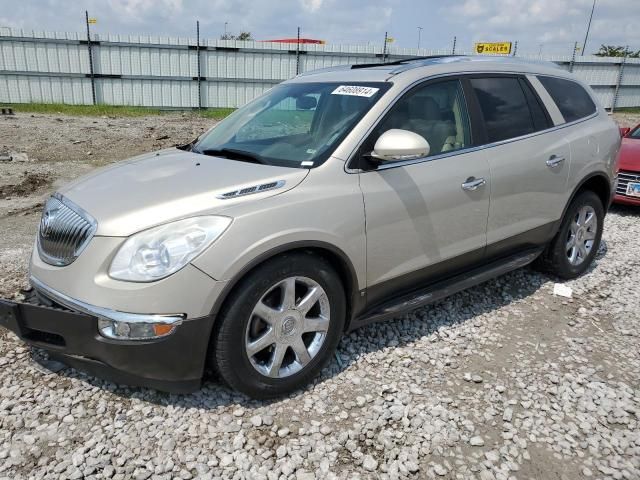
pixel 472 149
pixel 459 76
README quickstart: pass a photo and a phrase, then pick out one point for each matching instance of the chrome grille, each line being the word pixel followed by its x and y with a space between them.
pixel 65 230
pixel 624 177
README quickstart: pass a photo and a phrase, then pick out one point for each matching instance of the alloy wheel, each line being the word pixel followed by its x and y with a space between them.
pixel 581 235
pixel 288 327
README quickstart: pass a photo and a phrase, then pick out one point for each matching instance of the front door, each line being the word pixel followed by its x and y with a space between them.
pixel 428 217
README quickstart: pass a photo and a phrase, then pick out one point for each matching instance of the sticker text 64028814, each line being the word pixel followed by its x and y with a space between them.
pixel 355 90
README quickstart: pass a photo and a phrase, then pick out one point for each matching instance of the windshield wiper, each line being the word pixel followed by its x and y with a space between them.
pixel 234 155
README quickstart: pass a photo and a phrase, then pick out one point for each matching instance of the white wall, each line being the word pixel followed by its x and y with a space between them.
pixel 52 67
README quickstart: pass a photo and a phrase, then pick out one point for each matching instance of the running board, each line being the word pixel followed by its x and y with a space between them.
pixel 446 288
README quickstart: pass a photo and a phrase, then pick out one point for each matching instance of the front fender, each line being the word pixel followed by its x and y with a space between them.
pixel 326 209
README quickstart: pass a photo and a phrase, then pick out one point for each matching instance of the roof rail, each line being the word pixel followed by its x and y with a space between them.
pixel 399 62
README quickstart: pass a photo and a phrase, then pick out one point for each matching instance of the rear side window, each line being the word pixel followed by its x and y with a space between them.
pixel 504 107
pixel 573 101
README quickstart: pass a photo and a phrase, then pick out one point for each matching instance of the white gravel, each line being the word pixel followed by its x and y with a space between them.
pixel 504 381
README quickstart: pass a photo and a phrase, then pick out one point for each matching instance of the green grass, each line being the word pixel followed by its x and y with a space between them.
pixel 110 110
pixel 628 110
pixel 217 113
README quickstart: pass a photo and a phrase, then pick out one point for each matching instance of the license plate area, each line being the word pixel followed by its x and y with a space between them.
pixel 633 189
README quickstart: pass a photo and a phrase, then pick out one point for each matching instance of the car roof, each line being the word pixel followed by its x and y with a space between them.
pixel 422 67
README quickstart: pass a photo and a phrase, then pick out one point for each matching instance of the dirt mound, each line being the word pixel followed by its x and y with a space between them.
pixel 27 186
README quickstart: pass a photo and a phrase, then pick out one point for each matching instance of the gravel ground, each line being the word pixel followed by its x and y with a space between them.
pixel 503 381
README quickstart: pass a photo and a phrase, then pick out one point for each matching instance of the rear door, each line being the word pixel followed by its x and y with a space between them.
pixel 529 163
pixel 422 222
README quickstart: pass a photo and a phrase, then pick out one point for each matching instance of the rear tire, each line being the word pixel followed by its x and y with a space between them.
pixel 280 326
pixel 576 244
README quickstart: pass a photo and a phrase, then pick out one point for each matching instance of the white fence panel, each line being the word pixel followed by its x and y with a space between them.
pixel 162 71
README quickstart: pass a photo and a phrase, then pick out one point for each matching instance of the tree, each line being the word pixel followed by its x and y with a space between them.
pixel 243 36
pixel 616 51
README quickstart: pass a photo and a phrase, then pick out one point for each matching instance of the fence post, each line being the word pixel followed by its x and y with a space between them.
pixel 573 56
pixel 453 50
pixel 199 64
pixel 619 80
pixel 384 47
pixel 91 74
pixel 298 53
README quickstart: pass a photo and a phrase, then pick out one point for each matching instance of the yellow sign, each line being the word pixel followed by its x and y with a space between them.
pixel 93 21
pixel 500 48
pixel 390 39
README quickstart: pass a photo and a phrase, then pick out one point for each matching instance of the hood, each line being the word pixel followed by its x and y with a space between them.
pixel 159 187
pixel 629 154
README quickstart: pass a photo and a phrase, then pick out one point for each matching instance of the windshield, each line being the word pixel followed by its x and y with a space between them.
pixel 635 134
pixel 292 125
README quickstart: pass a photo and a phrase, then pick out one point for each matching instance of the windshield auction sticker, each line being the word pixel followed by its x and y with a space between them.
pixel 355 91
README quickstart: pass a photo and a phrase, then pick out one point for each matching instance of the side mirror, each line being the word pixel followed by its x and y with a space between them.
pixel 396 144
pixel 306 102
pixel 624 131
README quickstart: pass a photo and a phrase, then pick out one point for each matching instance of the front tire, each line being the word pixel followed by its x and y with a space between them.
pixel 575 246
pixel 280 326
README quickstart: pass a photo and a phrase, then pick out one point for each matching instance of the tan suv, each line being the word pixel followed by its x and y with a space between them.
pixel 338 198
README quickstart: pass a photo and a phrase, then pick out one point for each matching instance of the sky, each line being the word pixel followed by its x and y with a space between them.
pixel 547 26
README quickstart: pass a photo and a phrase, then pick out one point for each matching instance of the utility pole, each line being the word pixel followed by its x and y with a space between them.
pixel 453 50
pixel 419 35
pixel 584 45
pixel 91 73
pixel 225 29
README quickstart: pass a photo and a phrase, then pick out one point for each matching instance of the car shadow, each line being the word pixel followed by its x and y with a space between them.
pixel 401 331
pixel 625 210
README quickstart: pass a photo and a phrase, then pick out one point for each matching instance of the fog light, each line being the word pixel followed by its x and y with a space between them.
pixel 121 330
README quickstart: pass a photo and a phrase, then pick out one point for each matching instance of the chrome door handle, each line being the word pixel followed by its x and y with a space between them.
pixel 473 183
pixel 554 161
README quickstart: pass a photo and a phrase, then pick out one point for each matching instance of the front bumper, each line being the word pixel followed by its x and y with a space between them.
pixel 626 200
pixel 174 363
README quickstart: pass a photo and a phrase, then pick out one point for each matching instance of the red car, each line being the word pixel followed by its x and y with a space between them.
pixel 628 187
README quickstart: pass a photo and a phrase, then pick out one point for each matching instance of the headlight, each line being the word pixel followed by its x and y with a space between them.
pixel 161 251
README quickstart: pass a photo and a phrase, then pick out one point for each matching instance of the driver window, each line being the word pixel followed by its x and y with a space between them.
pixel 290 116
pixel 437 112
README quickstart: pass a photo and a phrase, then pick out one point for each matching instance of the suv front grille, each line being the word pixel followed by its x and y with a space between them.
pixel 624 177
pixel 65 230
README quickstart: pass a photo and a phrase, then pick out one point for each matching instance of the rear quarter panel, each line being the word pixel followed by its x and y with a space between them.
pixel 594 143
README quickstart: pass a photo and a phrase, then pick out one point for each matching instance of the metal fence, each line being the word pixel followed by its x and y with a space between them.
pixel 167 72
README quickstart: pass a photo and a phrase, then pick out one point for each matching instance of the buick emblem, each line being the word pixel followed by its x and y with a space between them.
pixel 288 326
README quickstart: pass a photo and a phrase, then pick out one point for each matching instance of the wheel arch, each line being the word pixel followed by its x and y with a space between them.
pixel 597 182
pixel 334 255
